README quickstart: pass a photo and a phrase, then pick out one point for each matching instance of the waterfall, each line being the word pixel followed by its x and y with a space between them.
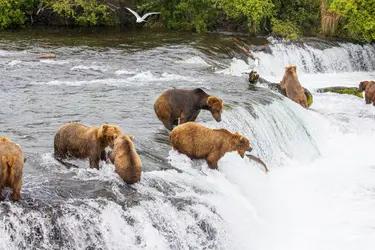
pixel 312 58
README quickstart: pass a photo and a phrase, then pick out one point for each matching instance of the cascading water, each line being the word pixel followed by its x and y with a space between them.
pixel 312 58
pixel 319 193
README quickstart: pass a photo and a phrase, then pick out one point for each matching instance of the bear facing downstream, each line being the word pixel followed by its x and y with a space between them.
pixel 185 104
pixel 292 86
pixel 199 142
pixel 79 141
pixel 11 167
pixel 369 88
pixel 127 163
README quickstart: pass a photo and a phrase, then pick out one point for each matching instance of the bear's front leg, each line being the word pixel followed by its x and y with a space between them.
pixel 103 156
pixel 111 157
pixel 212 160
pixel 94 161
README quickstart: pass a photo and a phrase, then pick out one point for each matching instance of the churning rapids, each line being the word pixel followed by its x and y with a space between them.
pixel 319 193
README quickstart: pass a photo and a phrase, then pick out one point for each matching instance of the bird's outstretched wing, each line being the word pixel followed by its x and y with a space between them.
pixel 149 14
pixel 134 13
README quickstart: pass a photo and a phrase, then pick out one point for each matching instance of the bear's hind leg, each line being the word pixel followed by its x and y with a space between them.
pixel 17 188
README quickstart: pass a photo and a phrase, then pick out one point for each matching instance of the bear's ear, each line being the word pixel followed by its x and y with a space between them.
pixel 221 100
pixel 211 100
pixel 4 139
pixel 131 137
pixel 242 140
pixel 102 130
pixel 294 68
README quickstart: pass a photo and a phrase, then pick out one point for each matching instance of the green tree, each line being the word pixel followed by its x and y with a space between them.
pixel 11 14
pixel 255 11
pixel 82 12
pixel 357 16
pixel 292 18
pixel 198 15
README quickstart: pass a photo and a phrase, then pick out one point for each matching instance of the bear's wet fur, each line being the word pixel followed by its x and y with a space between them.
pixel 185 104
pixel 369 88
pixel 11 167
pixel 76 140
pixel 127 162
pixel 199 142
pixel 292 86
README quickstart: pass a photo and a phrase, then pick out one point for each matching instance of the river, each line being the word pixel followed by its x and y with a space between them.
pixel 319 193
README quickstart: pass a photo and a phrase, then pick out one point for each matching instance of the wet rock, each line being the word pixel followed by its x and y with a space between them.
pixel 47 56
pixel 343 90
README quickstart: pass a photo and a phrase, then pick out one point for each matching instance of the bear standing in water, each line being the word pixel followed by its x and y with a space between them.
pixel 185 104
pixel 127 163
pixel 199 142
pixel 292 86
pixel 11 167
pixel 80 141
pixel 369 88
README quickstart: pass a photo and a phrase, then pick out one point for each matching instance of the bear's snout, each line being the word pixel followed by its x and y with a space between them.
pixel 216 116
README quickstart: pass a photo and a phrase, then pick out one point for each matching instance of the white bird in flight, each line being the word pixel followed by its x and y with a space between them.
pixel 141 19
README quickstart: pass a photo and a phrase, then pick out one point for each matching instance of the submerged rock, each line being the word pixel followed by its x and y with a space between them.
pixel 343 90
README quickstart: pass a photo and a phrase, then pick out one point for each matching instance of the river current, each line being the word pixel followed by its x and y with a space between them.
pixel 319 193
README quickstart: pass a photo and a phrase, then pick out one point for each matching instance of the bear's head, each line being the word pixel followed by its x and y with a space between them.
pixel 124 140
pixel 292 69
pixel 241 143
pixel 108 134
pixel 215 106
pixel 363 85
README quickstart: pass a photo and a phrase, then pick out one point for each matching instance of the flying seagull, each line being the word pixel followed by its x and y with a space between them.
pixel 141 19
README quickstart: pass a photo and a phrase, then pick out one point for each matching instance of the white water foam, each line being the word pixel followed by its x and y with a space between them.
pixel 142 78
pixel 91 67
pixel 124 72
pixel 237 67
pixel 54 61
pixel 14 62
pixel 343 57
pixel 322 196
pixel 197 60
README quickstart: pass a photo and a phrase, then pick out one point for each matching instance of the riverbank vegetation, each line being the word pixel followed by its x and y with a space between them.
pixel 287 18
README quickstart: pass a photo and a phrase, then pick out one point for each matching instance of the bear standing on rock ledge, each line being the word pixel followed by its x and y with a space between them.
pixel 292 86
pixel 199 142
pixel 369 88
pixel 185 104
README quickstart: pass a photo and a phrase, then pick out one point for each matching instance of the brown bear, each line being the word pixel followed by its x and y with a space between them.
pixel 11 167
pixel 127 163
pixel 80 141
pixel 199 142
pixel 292 86
pixel 369 88
pixel 185 104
